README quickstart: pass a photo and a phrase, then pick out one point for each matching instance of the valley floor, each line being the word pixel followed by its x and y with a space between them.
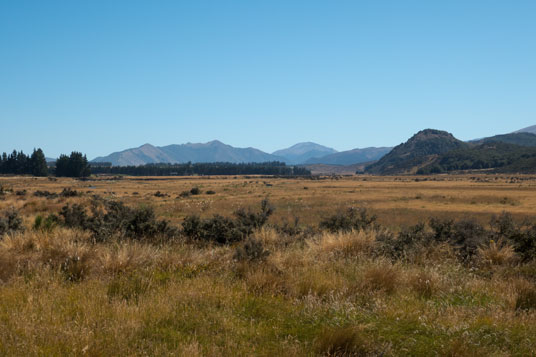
pixel 296 289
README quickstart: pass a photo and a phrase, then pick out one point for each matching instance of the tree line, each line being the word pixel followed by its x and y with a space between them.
pixel 213 168
pixel 18 163
pixel 77 165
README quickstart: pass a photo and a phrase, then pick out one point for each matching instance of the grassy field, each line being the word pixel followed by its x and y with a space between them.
pixel 311 292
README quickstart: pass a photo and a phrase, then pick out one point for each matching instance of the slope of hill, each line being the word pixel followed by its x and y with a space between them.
pixel 528 129
pixel 420 150
pixel 497 156
pixel 213 151
pixel 301 152
pixel 518 138
pixel 145 154
pixel 351 157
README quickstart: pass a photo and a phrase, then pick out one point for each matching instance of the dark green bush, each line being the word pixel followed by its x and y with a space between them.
pixel 225 230
pixel 11 222
pixel 251 250
pixel 113 218
pixel 195 191
pixel 352 218
pixel 46 224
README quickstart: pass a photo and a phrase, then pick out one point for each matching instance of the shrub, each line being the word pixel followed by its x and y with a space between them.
pixel 45 194
pixel 217 229
pixel 210 192
pixel 195 191
pixel 68 192
pixel 184 194
pixel 75 216
pixel 351 219
pixel 524 242
pixel 467 236
pixel 11 222
pixel 409 239
pixel 110 218
pixel 21 193
pixel 249 220
pixel 251 250
pixel 46 224
pixel 225 230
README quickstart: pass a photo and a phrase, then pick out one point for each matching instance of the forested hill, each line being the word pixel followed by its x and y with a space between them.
pixel 496 156
pixel 421 149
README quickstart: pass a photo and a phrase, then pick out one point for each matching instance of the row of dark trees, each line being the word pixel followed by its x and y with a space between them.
pixel 18 163
pixel 76 165
pixel 214 168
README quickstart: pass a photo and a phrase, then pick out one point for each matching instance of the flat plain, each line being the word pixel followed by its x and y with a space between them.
pixel 310 291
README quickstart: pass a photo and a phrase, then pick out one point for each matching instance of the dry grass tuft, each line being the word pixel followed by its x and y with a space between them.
pixel 525 295
pixel 497 253
pixel 382 276
pixel 127 256
pixel 342 341
pixel 425 284
pixel 345 244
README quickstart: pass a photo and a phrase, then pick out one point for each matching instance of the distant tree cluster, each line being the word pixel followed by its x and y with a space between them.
pixel 18 163
pixel 75 165
pixel 216 168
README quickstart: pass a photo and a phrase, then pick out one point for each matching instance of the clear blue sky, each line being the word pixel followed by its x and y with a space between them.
pixel 102 76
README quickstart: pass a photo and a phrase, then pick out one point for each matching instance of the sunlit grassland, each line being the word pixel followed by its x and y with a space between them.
pixel 61 294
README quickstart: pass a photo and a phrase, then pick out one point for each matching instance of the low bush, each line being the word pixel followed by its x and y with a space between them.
pixel 225 230
pixel 68 192
pixel 46 224
pixel 251 250
pixel 11 222
pixel 46 194
pixel 351 219
pixel 112 218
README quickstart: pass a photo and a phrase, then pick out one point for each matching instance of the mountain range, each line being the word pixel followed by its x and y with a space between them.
pixel 216 151
pixel 428 151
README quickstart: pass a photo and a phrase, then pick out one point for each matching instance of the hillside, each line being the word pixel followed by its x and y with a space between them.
pixel 420 150
pixel 518 138
pixel 213 151
pixel 529 129
pixel 497 156
pixel 351 157
pixel 302 152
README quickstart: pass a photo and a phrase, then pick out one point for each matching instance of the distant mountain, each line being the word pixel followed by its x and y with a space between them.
pixel 300 153
pixel 351 157
pixel 528 129
pixel 213 151
pixel 517 138
pixel 420 150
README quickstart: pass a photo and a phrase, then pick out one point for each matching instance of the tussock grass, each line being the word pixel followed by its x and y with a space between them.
pixel 319 293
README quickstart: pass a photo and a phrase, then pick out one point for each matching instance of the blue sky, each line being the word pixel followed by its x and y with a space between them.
pixel 102 76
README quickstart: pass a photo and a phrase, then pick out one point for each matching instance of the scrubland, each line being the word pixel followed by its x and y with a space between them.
pixel 364 266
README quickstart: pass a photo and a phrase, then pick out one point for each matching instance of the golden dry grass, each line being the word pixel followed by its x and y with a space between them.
pixel 326 294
